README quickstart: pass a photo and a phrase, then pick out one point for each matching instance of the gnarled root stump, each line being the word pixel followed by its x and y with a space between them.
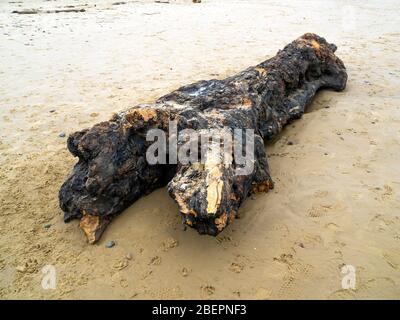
pixel 112 171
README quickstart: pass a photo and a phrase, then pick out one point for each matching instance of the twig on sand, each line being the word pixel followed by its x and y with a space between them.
pixel 36 11
pixel 65 10
pixel 26 11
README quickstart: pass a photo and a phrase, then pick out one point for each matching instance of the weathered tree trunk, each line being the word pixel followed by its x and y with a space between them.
pixel 113 172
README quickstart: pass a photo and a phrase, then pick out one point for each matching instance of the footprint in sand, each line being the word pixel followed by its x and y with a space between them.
pixel 382 223
pixel 293 264
pixel 387 192
pixel 263 294
pixel 392 260
pixel 321 193
pixel 319 210
pixel 236 267
pixel 207 290
pixel 309 241
pixel 342 294
pixel 332 226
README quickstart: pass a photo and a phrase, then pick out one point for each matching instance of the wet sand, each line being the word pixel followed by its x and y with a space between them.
pixel 336 197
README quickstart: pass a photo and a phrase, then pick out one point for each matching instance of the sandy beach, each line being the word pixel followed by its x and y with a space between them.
pixel 336 199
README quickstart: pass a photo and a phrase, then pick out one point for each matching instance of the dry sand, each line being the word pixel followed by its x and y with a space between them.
pixel 336 199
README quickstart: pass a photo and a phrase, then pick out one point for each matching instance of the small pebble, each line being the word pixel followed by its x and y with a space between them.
pixel 129 256
pixel 290 143
pixel 20 269
pixel 47 225
pixel 110 244
pixel 185 271
pixel 62 135
pixel 52 110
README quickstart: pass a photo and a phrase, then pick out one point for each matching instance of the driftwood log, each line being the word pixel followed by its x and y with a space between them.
pixel 112 171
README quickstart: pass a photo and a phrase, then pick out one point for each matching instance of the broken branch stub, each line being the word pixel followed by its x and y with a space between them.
pixel 113 172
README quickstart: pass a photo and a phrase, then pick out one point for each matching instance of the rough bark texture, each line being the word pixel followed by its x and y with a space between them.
pixel 112 171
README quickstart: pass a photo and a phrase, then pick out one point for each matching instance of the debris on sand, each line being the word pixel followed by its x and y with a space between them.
pixel 37 11
pixel 26 11
pixel 110 244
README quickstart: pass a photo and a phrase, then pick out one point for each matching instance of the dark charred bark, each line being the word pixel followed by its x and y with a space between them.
pixel 112 171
